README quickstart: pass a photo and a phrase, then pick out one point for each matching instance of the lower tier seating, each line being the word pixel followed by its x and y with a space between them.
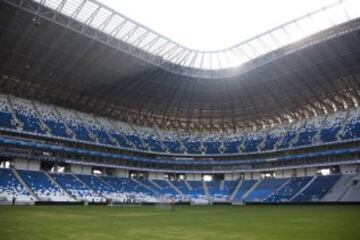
pixel 264 189
pixel 292 187
pixel 76 188
pixel 10 187
pixel 29 186
pixel 100 186
pixel 43 187
pixel 245 186
pixel 317 189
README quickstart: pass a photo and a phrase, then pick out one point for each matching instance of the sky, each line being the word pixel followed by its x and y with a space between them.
pixel 211 25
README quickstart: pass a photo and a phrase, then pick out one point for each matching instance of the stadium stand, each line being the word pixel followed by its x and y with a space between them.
pixel 172 142
pixel 245 186
pixel 42 186
pixel 212 143
pixel 221 190
pixel 129 187
pixel 317 189
pixel 319 130
pixel 292 187
pixel 10 187
pixel 352 189
pixel 6 119
pixel 332 126
pixel 197 190
pixel 67 187
pixel 101 187
pixel 52 120
pixel 76 188
pixel 166 189
pixel 275 119
pixel 264 189
pixel 27 115
pixel 352 126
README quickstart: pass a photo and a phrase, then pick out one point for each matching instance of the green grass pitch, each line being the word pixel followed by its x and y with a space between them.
pixel 200 223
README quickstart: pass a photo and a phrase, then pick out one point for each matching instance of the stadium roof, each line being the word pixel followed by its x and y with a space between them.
pixel 213 25
pixel 107 20
pixel 50 57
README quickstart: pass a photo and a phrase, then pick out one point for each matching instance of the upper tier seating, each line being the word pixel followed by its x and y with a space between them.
pixel 27 115
pixel 331 126
pixel 5 113
pixel 308 132
pixel 252 141
pixel 43 187
pixel 171 141
pixel 34 117
pixel 114 132
pixel 212 143
pixel 52 120
pixel 289 136
pixel 10 187
pixel 95 129
pixel 150 138
pixel 192 143
pixel 75 125
pixel 352 127
pixel 273 137
pixel 132 136
pixel 232 143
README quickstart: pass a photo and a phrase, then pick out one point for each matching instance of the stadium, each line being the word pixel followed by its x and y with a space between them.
pixel 109 129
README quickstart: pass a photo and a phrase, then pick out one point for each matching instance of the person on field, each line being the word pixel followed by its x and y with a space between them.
pixel 13 201
pixel 173 204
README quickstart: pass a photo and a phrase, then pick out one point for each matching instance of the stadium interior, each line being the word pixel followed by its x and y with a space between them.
pixel 119 126
pixel 284 126
pixel 154 122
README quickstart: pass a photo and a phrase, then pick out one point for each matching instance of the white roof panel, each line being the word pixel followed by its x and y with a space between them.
pixel 111 22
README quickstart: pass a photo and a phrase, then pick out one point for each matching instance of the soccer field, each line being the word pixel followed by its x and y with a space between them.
pixel 208 223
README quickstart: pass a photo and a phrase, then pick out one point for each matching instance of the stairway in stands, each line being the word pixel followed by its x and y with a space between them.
pixel 19 178
pixel 303 189
pixel 238 186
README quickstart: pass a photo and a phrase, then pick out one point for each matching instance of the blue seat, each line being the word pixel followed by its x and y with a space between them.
pixel 293 186
pixel 265 188
pixel 42 186
pixel 154 143
pixel 11 187
pixel 231 145
pixel 57 128
pixel 6 120
pixel 244 188
pixel 317 189
pixel 30 123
